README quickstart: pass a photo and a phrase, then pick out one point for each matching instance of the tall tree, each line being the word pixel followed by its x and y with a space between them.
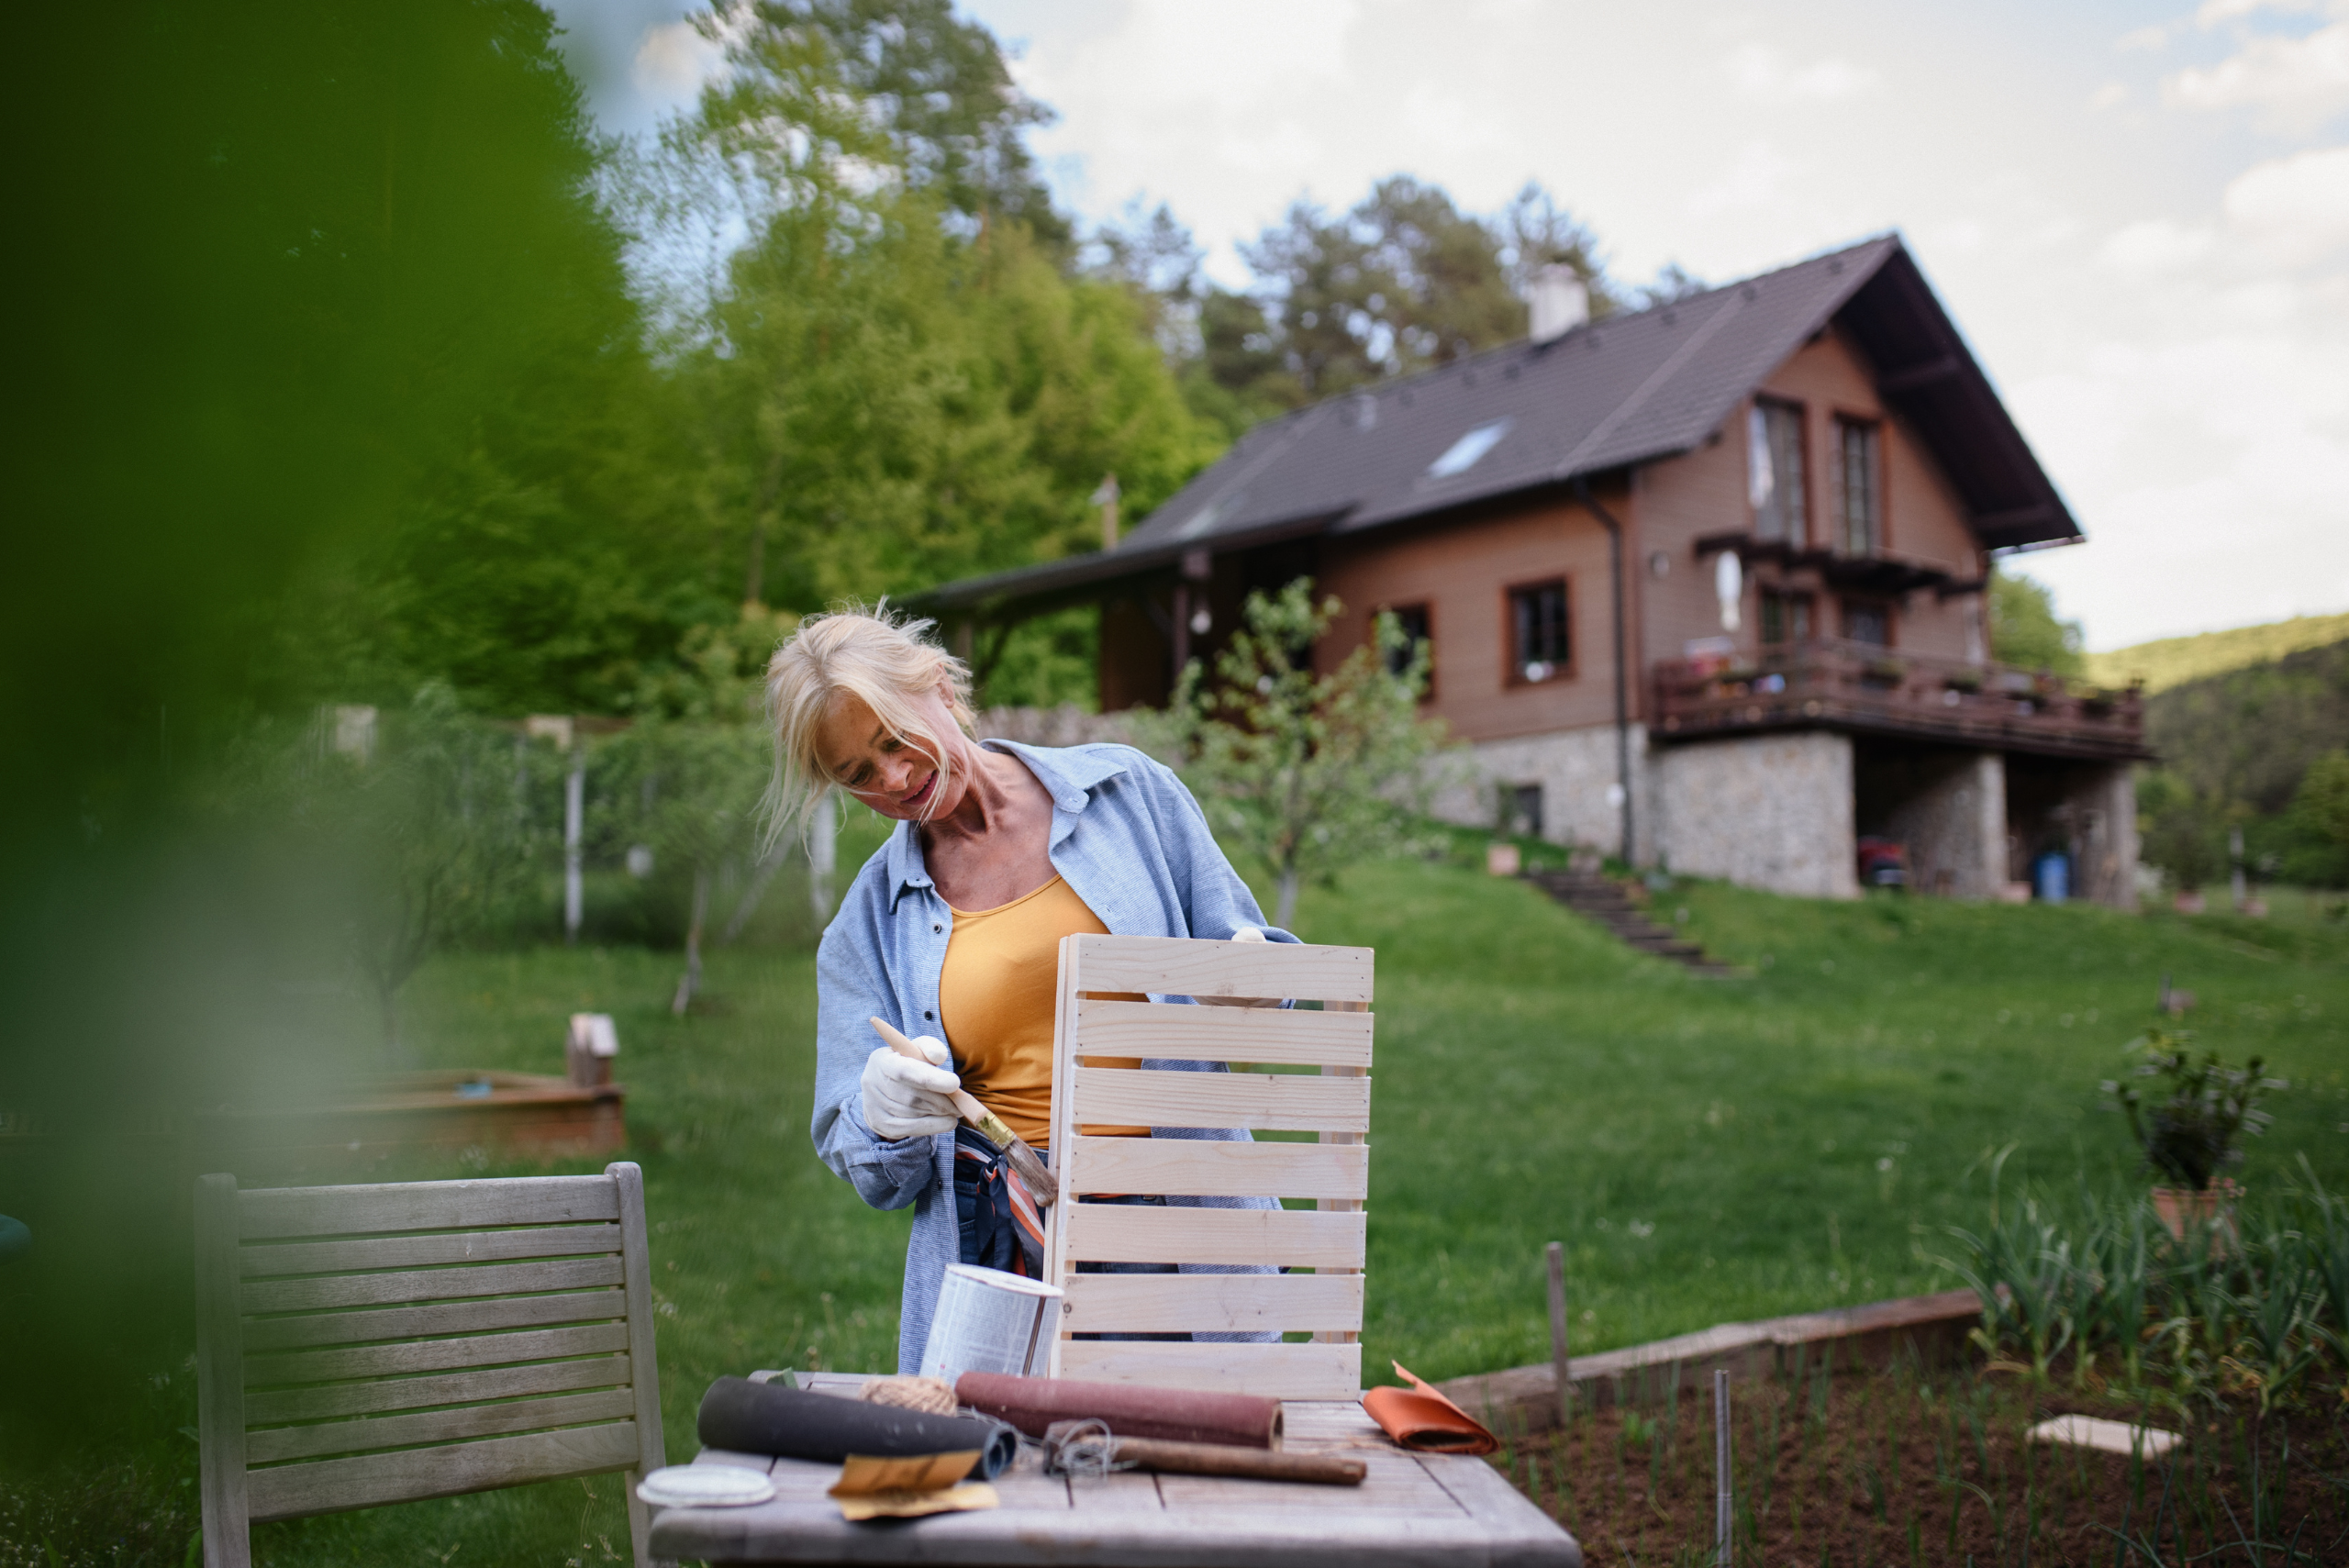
pixel 1403 281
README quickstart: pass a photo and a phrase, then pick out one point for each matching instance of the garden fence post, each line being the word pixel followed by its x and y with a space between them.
pixel 1557 1256
pixel 574 813
pixel 1722 1488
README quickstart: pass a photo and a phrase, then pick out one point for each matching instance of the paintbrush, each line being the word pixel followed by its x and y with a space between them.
pixel 990 1126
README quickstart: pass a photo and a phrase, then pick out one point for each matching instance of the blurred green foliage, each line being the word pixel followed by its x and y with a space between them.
pixel 2247 748
pixel 2025 630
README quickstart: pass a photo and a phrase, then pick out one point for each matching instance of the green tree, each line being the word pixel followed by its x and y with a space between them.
pixel 1307 773
pixel 695 767
pixel 2024 630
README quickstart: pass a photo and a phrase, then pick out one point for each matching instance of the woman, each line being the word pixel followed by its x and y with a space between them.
pixel 952 931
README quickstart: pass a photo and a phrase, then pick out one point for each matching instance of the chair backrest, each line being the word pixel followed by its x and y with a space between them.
pixel 1322 1247
pixel 362 1345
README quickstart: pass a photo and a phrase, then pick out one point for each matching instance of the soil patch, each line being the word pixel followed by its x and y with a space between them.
pixel 1901 1468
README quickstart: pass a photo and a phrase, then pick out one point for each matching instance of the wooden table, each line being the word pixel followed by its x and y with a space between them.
pixel 1413 1508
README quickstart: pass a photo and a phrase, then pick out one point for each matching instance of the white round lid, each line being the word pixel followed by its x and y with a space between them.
pixel 705 1486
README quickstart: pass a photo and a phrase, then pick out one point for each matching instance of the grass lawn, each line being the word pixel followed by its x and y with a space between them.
pixel 1706 1150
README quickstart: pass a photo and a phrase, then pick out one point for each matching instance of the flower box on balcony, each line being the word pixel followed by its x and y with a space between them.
pixel 1884 672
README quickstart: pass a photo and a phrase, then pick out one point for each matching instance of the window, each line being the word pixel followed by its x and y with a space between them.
pixel 1775 471
pixel 1786 617
pixel 1868 621
pixel 1860 509
pixel 1412 621
pixel 1465 453
pixel 1542 644
pixel 1521 809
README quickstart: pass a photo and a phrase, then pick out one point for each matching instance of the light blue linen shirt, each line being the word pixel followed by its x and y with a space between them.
pixel 1132 844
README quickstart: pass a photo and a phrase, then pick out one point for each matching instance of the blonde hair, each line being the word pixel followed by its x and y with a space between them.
pixel 879 656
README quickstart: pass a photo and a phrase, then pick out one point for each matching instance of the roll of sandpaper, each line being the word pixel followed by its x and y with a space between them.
pixel 767 1417
pixel 1173 1415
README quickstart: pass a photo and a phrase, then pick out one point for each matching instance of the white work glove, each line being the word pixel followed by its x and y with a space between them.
pixel 905 1098
pixel 1245 934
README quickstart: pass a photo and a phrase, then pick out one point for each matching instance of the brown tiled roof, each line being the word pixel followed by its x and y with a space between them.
pixel 1611 394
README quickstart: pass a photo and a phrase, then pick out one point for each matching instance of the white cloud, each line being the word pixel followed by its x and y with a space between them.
pixel 1756 177
pixel 1767 75
pixel 672 61
pixel 2294 209
pixel 2112 96
pixel 2213 12
pixel 2294 84
pixel 2155 245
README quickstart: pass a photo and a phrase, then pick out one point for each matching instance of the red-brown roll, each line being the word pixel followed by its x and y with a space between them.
pixel 1173 1415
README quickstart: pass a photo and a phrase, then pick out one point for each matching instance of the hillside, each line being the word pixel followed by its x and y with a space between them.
pixel 2174 660
pixel 2248 735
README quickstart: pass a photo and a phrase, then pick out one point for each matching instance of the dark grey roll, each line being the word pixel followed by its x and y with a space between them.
pixel 792 1423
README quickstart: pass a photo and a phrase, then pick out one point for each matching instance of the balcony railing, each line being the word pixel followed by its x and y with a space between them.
pixel 1833 685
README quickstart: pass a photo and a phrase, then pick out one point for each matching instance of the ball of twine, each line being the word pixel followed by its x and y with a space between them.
pixel 930 1395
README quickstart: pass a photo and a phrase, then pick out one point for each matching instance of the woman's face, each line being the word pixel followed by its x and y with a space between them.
pixel 883 771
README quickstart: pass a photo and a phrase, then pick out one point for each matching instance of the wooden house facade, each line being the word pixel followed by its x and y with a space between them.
pixel 1704 584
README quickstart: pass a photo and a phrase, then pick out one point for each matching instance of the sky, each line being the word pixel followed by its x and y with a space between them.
pixel 2138 213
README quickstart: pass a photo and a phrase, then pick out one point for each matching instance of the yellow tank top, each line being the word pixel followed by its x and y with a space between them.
pixel 995 997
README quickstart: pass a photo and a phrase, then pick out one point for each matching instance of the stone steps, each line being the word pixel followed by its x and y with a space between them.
pixel 1606 901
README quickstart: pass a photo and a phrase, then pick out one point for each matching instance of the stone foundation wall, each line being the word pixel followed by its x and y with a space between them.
pixel 1950 809
pixel 1772 812
pixel 1574 768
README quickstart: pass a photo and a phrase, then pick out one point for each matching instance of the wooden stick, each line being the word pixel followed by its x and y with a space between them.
pixel 1249 1463
pixel 1557 1253
pixel 1023 1159
pixel 1723 1497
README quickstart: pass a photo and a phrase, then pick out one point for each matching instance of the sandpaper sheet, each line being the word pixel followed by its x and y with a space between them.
pixel 767 1417
pixel 1173 1414
pixel 1420 1417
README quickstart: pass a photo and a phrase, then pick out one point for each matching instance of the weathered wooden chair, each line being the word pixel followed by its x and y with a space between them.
pixel 1329 1240
pixel 362 1345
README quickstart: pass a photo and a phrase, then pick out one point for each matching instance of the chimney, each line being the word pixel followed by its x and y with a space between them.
pixel 1560 302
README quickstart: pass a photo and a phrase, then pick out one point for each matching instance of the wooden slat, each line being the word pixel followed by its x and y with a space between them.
pixel 448 1318
pixel 269 1408
pixel 1167 1030
pixel 434 1355
pixel 220 1385
pixel 1246 1304
pixel 1202 1167
pixel 1177 966
pixel 274 1444
pixel 428 1250
pixel 628 1181
pixel 1127 1233
pixel 1280 1372
pixel 272 1213
pixel 1253 1100
pixel 1341 1140
pixel 321 1291
pixel 329 1486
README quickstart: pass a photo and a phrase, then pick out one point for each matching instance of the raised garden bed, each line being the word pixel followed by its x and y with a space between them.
pixel 504 1116
pixel 1906 1466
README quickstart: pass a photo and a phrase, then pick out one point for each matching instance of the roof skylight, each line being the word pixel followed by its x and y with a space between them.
pixel 1465 453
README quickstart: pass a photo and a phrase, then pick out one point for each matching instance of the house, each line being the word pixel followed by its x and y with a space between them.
pixel 1704 584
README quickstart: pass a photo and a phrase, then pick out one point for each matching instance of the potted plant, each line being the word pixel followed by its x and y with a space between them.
pixel 1885 670
pixel 1965 679
pixel 2194 1124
